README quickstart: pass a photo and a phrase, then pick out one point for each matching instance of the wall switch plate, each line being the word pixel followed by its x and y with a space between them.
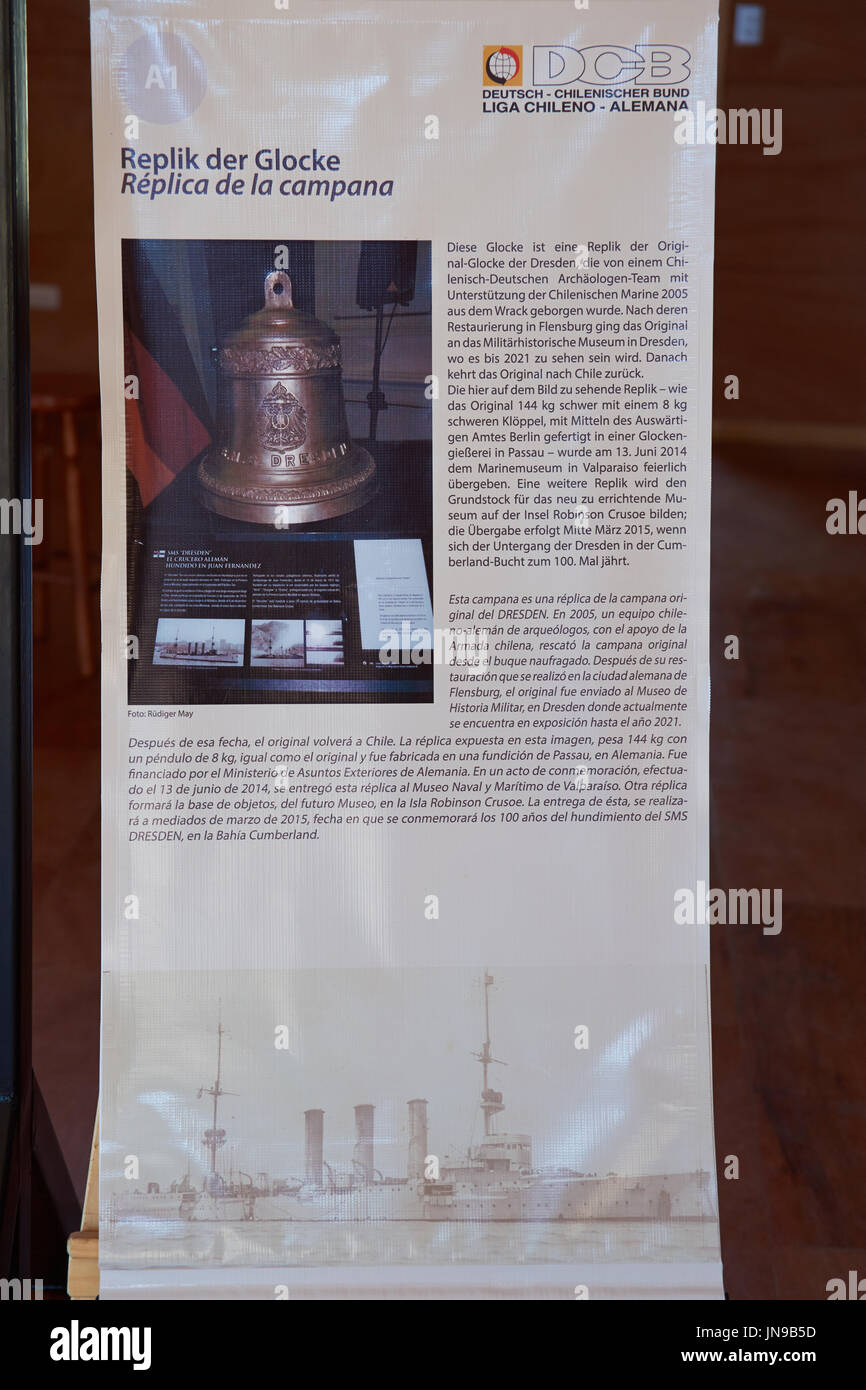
pixel 749 25
pixel 45 297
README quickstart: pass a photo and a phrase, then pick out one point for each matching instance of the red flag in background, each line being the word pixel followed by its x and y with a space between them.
pixel 170 422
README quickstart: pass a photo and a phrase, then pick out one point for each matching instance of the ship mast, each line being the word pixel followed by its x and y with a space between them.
pixel 214 1138
pixel 491 1101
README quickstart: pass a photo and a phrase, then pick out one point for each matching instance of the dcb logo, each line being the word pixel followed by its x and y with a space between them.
pixel 558 64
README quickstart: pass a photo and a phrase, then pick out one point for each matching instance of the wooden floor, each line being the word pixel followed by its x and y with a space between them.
pixel 789 810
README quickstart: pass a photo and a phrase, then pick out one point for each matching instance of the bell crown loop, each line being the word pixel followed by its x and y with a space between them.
pixel 278 290
pixel 278 321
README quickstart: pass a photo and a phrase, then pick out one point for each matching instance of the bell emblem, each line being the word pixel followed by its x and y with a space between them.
pixel 282 419
pixel 285 456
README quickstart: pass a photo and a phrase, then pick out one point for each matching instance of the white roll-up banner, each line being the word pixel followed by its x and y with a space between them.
pixel 405 318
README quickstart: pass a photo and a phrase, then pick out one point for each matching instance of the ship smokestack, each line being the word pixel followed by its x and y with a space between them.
pixel 313 1153
pixel 364 1140
pixel 417 1138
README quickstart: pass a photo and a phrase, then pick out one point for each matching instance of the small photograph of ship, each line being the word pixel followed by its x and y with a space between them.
pixel 324 642
pixel 493 1180
pixel 277 642
pixel 199 642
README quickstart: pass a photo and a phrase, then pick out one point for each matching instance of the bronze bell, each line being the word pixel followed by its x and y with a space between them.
pixel 287 457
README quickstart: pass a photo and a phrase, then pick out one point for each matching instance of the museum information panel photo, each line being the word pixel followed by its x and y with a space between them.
pixel 405 318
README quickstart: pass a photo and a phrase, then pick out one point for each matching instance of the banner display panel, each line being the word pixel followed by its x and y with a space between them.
pixel 405 320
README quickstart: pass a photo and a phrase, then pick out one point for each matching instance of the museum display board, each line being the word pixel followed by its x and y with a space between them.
pixel 405 320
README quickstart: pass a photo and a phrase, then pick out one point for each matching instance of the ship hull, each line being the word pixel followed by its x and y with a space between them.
pixel 185 1207
pixel 665 1197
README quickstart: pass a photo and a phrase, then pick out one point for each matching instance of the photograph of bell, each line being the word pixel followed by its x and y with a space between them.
pixel 285 457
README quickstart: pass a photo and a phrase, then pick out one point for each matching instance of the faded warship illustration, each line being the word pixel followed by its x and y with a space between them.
pixel 217 651
pixel 494 1180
